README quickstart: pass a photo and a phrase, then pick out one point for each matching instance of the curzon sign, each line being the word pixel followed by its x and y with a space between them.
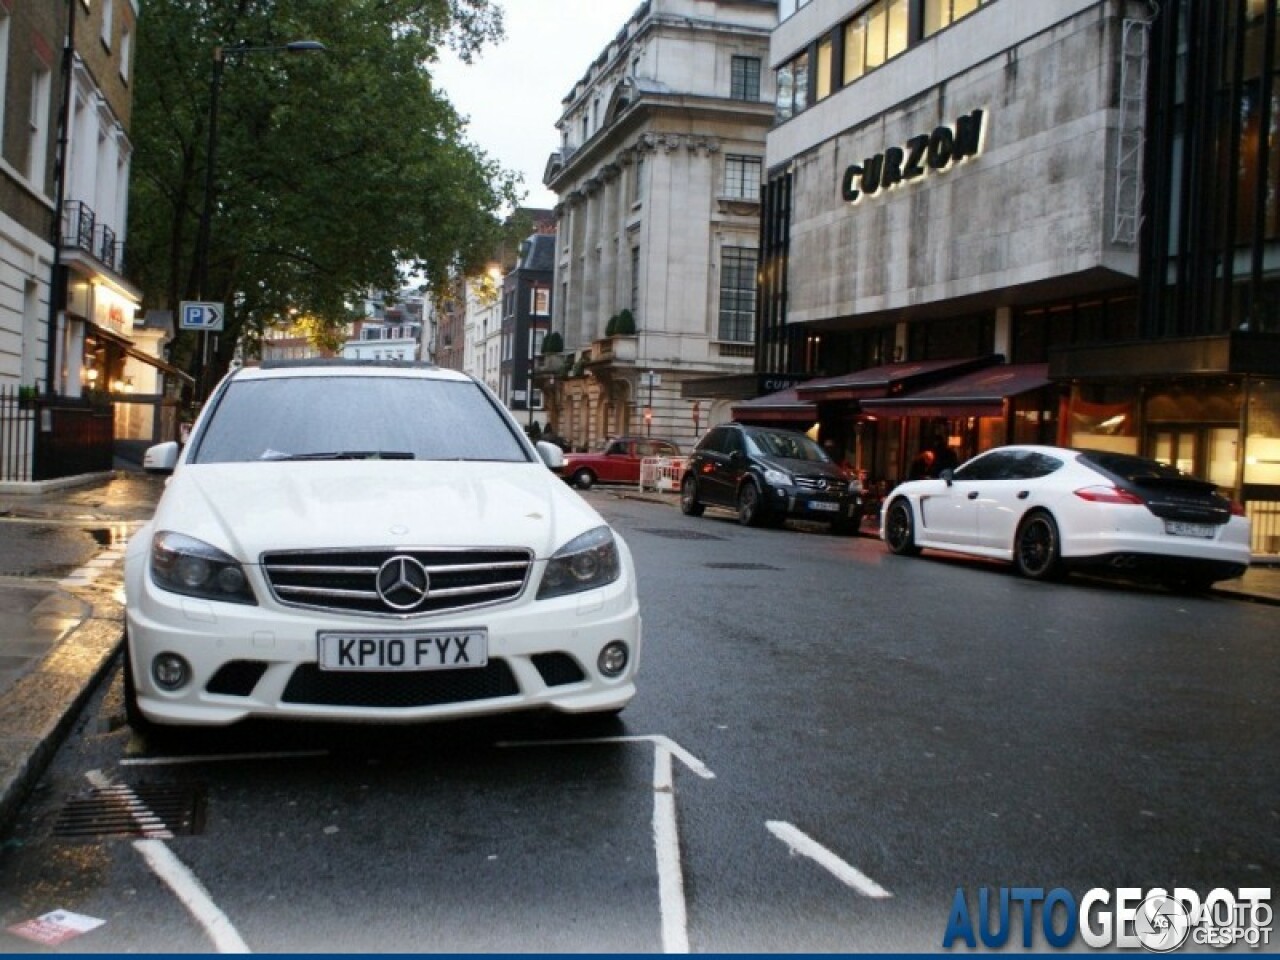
pixel 929 151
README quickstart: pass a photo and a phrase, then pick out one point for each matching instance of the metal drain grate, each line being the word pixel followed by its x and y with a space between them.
pixel 157 810
pixel 676 534
pixel 741 566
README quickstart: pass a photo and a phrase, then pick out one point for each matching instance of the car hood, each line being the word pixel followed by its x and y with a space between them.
pixel 804 468
pixel 247 509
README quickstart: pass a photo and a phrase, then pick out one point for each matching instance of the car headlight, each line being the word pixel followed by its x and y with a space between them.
pixel 182 564
pixel 584 563
pixel 776 478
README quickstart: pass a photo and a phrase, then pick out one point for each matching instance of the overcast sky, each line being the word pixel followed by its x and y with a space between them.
pixel 512 92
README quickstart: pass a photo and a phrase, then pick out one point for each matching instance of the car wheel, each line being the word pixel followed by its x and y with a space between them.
pixel 583 479
pixel 899 529
pixel 751 512
pixel 1037 551
pixel 689 504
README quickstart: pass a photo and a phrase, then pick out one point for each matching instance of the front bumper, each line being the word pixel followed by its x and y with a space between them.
pixel 804 504
pixel 260 661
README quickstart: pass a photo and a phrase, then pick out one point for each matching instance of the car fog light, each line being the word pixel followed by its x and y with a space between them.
pixel 613 658
pixel 170 671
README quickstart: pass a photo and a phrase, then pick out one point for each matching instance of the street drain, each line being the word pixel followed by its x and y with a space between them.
pixel 676 534
pixel 157 810
pixel 741 566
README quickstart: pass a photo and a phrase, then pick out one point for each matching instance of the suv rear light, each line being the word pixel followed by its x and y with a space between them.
pixel 1237 509
pixel 1101 494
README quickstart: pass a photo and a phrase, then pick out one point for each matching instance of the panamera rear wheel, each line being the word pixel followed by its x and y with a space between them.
pixel 1037 551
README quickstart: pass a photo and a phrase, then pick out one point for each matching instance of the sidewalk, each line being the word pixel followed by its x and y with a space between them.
pixel 61 608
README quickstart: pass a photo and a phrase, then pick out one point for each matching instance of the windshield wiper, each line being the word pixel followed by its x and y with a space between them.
pixel 352 455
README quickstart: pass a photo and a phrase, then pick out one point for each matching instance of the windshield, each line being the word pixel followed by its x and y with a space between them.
pixel 788 446
pixel 324 418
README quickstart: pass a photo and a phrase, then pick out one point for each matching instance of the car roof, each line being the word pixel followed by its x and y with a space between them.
pixel 340 367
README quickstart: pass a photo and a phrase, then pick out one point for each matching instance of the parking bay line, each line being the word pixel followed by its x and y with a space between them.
pixel 176 876
pixel 803 844
pixel 666 833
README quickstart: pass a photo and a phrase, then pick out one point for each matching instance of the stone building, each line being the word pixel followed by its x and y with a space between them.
pixel 658 175
pixel 994 221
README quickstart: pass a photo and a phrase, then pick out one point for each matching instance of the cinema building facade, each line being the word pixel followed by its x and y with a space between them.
pixel 995 222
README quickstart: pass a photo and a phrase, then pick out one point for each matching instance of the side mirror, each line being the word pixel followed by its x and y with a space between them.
pixel 948 475
pixel 161 458
pixel 737 457
pixel 551 455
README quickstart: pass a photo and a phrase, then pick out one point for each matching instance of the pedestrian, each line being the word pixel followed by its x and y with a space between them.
pixel 922 465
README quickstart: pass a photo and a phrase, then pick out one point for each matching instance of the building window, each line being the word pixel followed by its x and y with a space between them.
pixel 744 83
pixel 4 59
pixel 540 301
pixel 737 295
pixel 877 35
pixel 637 179
pixel 38 144
pixel 742 178
pixel 943 13
pixel 635 281
pixel 126 51
pixel 108 15
pixel 822 82
pixel 793 87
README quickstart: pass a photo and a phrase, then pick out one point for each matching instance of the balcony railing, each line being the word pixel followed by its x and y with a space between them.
pixel 82 231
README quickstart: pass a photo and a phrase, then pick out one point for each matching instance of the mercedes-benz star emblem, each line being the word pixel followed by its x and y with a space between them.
pixel 403 583
pixel 822 483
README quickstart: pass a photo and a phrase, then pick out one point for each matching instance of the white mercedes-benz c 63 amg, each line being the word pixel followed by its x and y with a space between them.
pixel 373 542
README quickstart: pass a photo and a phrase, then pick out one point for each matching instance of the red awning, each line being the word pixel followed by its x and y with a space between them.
pixel 889 380
pixel 979 393
pixel 783 406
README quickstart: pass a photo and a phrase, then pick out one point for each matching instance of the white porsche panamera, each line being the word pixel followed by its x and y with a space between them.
pixel 1049 509
pixel 376 542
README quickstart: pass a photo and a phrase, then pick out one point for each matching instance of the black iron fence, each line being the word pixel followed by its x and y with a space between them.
pixel 44 438
pixel 17 433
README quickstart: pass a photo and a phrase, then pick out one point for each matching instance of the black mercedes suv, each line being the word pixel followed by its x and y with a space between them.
pixel 767 475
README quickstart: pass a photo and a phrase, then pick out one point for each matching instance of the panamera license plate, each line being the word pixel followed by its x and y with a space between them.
pixel 827 507
pixel 1178 528
pixel 437 650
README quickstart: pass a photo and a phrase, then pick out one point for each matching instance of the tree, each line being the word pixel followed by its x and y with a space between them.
pixel 334 172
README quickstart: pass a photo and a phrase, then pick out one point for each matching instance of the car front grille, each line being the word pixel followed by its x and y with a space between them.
pixel 833 487
pixel 424 688
pixel 346 581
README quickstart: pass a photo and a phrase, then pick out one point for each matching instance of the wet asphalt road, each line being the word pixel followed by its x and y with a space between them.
pixel 934 723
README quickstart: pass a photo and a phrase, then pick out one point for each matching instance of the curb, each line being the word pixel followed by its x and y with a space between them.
pixel 37 487
pixel 37 712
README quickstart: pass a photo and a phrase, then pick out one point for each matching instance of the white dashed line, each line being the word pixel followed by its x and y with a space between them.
pixel 806 846
pixel 165 865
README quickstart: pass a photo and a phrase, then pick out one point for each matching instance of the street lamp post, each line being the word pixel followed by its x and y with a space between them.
pixel 220 54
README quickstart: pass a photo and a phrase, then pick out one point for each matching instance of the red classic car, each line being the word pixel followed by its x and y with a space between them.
pixel 616 461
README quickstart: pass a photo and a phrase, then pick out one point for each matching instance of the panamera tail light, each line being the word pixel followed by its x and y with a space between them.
pixel 1103 494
